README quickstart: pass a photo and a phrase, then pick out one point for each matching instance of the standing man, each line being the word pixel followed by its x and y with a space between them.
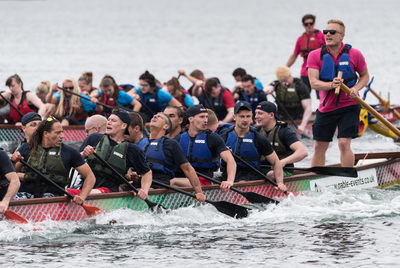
pixel 119 153
pixel 250 146
pixel 176 115
pixel 311 39
pixel 340 110
pixel 292 96
pixel 283 139
pixel 204 149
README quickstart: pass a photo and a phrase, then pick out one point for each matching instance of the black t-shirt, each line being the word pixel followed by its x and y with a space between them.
pixel 302 91
pixel 134 155
pixel 6 165
pixel 71 157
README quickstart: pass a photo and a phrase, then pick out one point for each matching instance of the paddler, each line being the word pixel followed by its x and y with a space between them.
pixel 47 153
pixel 336 109
pixel 283 139
pixel 23 101
pixel 204 149
pixel 165 155
pixel 118 152
pixel 251 146
pixel 9 182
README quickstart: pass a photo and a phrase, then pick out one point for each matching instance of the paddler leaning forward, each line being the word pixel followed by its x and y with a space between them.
pixel 119 153
pixel 46 152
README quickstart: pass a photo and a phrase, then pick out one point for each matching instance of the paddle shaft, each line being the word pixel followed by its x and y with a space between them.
pixel 385 103
pixel 12 105
pixel 337 90
pixel 99 103
pixel 371 110
pixel 47 179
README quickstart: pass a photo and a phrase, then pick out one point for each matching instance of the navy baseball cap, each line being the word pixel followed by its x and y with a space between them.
pixel 268 107
pixel 29 117
pixel 195 110
pixel 241 105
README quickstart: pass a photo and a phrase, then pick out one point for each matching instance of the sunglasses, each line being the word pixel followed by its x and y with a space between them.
pixel 69 88
pixel 332 32
pixel 308 23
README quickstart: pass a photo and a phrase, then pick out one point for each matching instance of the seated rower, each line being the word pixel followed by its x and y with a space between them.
pixel 165 156
pixel 119 153
pixel 136 131
pixel 249 93
pixel 68 108
pixel 96 124
pixel 283 139
pixel 292 96
pixel 176 115
pixel 9 182
pixel 47 153
pixel 111 94
pixel 179 93
pixel 204 149
pixel 24 101
pixel 247 143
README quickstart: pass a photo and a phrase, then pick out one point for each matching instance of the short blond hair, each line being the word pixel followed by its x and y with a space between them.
pixel 212 118
pixel 282 72
pixel 338 22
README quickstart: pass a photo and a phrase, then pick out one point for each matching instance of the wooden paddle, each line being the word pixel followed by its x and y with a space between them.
pixel 152 205
pixel 12 105
pixel 90 210
pixel 250 196
pixel 372 111
pixel 325 170
pixel 385 103
pixel 99 103
pixel 337 90
pixel 225 207
pixel 14 216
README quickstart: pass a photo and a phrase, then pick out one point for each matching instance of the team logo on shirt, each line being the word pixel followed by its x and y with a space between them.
pixel 199 141
pixel 118 154
pixel 344 63
pixel 247 140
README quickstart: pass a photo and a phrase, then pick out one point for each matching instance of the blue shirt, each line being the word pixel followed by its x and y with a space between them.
pixel 123 98
pixel 163 97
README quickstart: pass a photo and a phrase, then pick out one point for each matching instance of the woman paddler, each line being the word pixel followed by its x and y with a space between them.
pixel 23 101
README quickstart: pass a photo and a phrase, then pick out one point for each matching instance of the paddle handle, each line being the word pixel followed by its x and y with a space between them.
pixel 47 179
pixel 337 90
pixel 371 110
pixel 122 178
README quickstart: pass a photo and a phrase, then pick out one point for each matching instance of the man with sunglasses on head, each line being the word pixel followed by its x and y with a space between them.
pixel 310 40
pixel 336 110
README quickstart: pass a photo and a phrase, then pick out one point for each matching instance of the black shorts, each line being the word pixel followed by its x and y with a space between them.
pixel 346 119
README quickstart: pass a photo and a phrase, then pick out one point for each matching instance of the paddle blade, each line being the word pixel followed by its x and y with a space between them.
pixel 336 171
pixel 230 209
pixel 257 198
pixel 155 207
pixel 91 210
pixel 15 217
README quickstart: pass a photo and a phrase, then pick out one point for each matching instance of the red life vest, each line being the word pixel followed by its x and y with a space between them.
pixel 108 100
pixel 23 106
pixel 308 43
pixel 77 112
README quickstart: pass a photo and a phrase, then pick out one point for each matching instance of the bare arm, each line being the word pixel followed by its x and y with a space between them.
pixel 291 60
pixel 32 98
pixel 230 169
pixel 174 102
pixel 229 117
pixel 90 180
pixel 147 178
pixel 299 153
pixel 136 105
pixel 277 168
pixel 11 191
pixel 190 173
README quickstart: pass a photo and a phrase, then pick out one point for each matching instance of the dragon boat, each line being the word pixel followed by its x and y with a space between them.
pixel 379 170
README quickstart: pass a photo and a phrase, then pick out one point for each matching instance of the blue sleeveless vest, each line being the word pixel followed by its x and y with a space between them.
pixel 155 156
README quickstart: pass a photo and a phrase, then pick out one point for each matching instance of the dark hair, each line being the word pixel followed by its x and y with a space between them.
pixel 239 72
pixel 136 120
pixel 197 74
pixel 36 139
pixel 107 81
pixel 17 79
pixel 86 77
pixel 181 112
pixel 149 78
pixel 308 16
pixel 210 83
pixel 248 77
pixel 168 121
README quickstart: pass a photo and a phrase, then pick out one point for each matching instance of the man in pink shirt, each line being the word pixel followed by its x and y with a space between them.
pixel 340 110
pixel 311 39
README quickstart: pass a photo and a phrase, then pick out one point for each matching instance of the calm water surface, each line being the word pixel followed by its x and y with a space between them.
pixel 54 39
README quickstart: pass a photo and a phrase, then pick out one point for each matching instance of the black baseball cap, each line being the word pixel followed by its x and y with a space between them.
pixel 195 110
pixel 241 105
pixel 268 107
pixel 124 117
pixel 29 117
